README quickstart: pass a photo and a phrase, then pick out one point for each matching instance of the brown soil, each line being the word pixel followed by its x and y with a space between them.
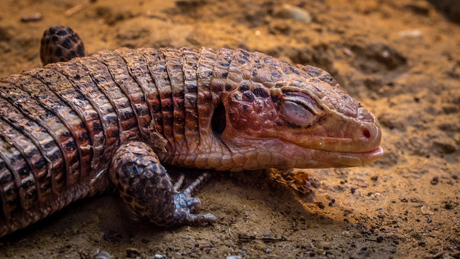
pixel 400 58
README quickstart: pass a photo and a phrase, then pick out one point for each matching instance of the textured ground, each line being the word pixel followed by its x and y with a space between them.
pixel 400 58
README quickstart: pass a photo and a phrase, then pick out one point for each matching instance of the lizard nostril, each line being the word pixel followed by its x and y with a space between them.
pixel 366 133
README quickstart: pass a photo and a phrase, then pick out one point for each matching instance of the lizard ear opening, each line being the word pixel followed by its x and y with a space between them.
pixel 218 122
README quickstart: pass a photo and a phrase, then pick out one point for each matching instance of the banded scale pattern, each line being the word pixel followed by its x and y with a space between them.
pixel 78 128
pixel 60 125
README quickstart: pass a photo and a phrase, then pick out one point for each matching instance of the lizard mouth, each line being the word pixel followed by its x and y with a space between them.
pixel 360 158
pixel 323 158
pixel 279 153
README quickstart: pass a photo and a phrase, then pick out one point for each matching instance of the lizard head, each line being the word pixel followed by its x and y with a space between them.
pixel 304 120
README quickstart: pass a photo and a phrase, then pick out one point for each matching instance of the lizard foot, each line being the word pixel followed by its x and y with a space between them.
pixel 148 190
pixel 186 205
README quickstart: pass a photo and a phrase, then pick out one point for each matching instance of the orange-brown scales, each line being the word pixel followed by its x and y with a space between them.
pixel 73 129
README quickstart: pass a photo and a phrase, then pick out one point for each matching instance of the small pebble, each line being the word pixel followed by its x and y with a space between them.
pixel 411 34
pixel 449 205
pixel 331 203
pixel 347 52
pixel 435 180
pixel 32 18
pixel 320 205
pixel 324 245
pixel 103 255
pixel 288 11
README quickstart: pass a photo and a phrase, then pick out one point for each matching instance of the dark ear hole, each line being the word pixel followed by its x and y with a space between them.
pixel 218 122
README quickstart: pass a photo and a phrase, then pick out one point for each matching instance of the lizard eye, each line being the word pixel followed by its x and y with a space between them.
pixel 299 109
pixel 297 114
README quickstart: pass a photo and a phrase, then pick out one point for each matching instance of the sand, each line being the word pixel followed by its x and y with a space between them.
pixel 401 59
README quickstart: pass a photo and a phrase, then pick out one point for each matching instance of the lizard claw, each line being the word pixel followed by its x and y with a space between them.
pixel 193 187
pixel 186 204
pixel 195 219
pixel 179 183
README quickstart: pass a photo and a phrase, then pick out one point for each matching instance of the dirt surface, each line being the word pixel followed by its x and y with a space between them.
pixel 401 59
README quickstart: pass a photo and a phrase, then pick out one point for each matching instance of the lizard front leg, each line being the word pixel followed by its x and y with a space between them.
pixel 148 190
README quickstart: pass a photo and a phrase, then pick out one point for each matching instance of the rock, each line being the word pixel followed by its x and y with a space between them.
pixel 32 18
pixel 347 52
pixel 94 252
pixel 103 255
pixel 435 180
pixel 288 11
pixel 324 245
pixel 411 34
pixel 320 205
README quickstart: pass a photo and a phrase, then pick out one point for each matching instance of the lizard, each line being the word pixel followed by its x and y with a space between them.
pixel 86 125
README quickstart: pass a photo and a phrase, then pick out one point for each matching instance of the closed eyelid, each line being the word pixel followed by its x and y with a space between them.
pixel 309 104
pixel 298 114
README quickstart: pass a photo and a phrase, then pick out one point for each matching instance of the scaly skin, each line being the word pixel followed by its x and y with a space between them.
pixel 60 44
pixel 82 127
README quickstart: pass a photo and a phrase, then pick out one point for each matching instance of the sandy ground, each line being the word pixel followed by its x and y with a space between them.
pixel 400 58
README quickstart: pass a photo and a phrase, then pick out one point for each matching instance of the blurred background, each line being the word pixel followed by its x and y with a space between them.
pixel 400 58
